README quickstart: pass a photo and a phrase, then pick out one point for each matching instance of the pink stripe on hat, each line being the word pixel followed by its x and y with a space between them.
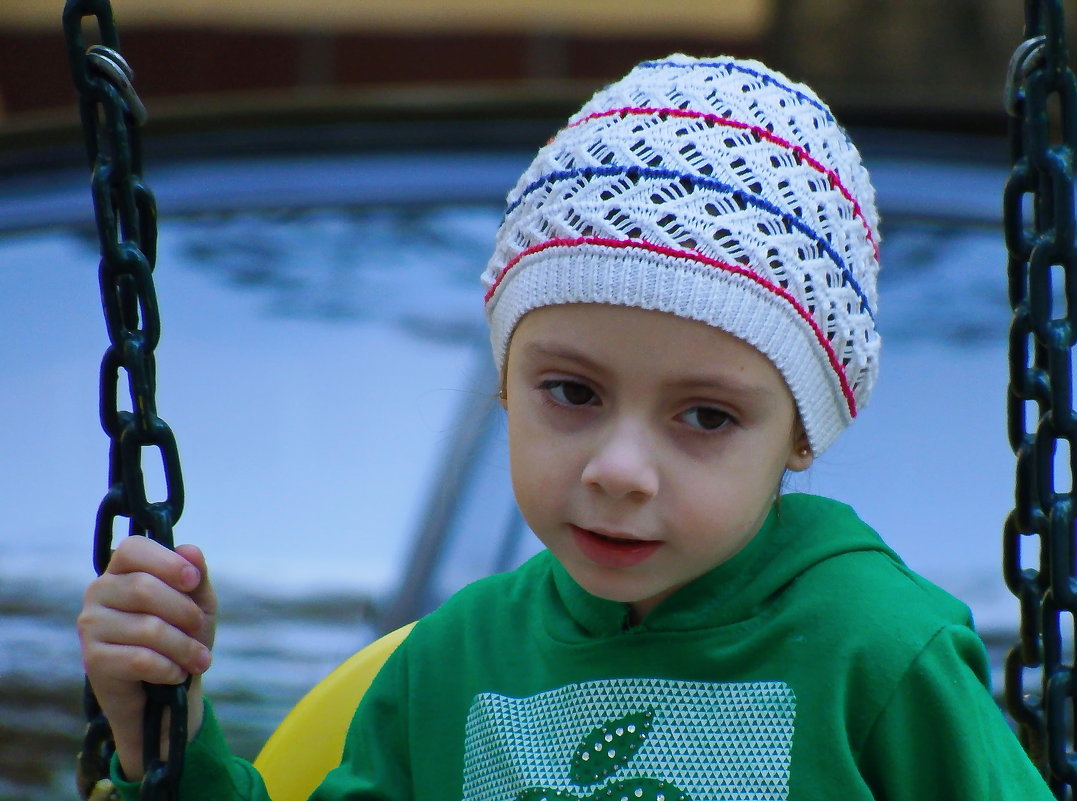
pixel 759 131
pixel 695 257
pixel 759 220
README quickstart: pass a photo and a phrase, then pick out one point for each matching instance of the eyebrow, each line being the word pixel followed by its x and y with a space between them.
pixel 561 351
pixel 748 391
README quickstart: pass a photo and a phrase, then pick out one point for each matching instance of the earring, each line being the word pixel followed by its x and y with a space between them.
pixel 804 452
pixel 503 394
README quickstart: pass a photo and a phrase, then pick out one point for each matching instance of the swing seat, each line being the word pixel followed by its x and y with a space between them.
pixel 309 741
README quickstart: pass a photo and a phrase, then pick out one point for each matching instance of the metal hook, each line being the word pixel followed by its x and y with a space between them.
pixel 114 68
pixel 1028 56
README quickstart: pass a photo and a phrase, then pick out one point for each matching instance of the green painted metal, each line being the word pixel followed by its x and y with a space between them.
pixel 126 217
pixel 1042 426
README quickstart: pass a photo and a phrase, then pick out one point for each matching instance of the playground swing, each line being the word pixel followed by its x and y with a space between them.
pixel 309 741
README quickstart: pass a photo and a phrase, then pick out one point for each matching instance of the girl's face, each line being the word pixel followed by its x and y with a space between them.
pixel 646 448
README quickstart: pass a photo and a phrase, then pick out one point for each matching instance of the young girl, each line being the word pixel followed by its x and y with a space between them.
pixel 682 306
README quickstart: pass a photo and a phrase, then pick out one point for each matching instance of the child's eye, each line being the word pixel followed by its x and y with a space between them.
pixel 706 418
pixel 569 393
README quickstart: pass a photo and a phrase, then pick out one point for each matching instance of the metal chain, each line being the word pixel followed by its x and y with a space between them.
pixel 1039 223
pixel 126 217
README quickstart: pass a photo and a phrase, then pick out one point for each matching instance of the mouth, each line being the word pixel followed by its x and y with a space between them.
pixel 612 550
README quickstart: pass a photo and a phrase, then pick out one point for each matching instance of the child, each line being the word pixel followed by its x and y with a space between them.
pixel 682 306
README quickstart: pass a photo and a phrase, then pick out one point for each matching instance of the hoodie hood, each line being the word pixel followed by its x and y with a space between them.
pixel 801 532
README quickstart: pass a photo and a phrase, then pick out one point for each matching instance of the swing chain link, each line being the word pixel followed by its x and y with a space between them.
pixel 1038 205
pixel 126 219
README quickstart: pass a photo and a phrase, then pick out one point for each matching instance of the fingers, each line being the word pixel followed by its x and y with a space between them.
pixel 143 595
pixel 143 648
pixel 143 555
pixel 149 617
pixel 203 593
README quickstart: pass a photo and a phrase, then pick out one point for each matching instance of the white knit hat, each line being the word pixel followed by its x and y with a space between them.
pixel 717 190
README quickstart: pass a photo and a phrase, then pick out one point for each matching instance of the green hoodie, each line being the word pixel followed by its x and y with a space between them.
pixel 811 665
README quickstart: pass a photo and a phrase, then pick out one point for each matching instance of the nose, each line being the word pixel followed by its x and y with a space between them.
pixel 623 463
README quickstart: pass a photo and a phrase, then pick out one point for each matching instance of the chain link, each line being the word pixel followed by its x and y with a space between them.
pixel 1038 207
pixel 126 218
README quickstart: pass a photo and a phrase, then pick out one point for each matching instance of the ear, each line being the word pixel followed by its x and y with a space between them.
pixel 800 456
pixel 503 387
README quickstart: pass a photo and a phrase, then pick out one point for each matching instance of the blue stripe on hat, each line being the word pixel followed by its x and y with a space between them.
pixel 734 67
pixel 705 183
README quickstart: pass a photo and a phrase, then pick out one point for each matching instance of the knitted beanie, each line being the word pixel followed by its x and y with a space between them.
pixel 719 191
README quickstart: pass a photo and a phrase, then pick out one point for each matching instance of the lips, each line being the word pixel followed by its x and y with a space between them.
pixel 613 551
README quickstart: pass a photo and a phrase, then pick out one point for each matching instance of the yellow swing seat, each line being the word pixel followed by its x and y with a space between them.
pixel 309 741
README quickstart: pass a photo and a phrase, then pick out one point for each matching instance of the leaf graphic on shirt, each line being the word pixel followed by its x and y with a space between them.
pixel 633 789
pixel 545 794
pixel 609 747
pixel 639 790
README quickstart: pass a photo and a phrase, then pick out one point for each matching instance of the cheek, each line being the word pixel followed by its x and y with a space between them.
pixel 544 465
pixel 529 463
pixel 538 496
pixel 731 492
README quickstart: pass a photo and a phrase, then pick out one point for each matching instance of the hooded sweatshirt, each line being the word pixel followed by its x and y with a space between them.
pixel 812 665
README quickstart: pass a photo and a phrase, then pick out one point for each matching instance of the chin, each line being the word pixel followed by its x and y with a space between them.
pixel 610 593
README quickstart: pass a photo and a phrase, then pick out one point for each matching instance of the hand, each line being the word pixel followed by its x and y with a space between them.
pixel 151 617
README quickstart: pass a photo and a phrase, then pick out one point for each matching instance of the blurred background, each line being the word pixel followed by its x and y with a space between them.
pixel 915 62
pixel 329 178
